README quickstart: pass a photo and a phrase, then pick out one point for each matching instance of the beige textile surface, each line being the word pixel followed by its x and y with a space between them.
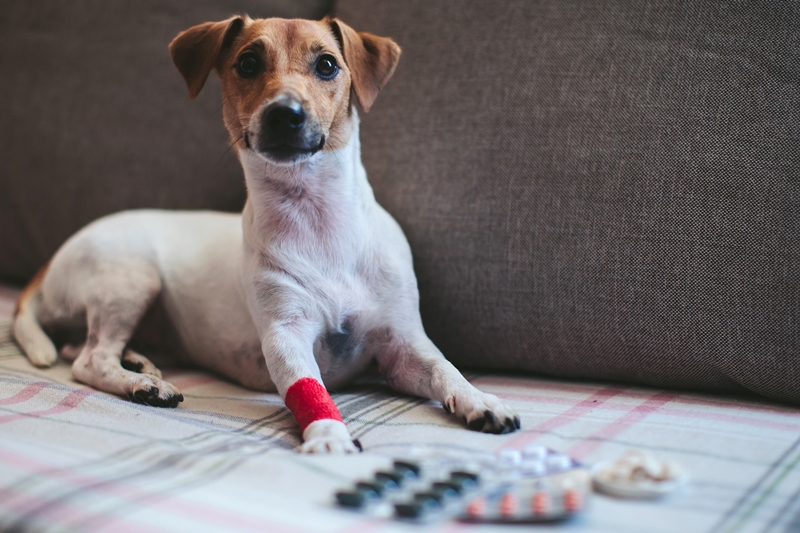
pixel 74 459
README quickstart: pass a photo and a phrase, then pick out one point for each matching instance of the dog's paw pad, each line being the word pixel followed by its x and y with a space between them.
pixel 169 400
pixel 139 364
pixel 489 423
pixel 489 414
pixel 144 395
pixel 480 422
pixel 160 394
pixel 133 366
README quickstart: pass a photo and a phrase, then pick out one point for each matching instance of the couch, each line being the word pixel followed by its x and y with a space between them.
pixel 602 203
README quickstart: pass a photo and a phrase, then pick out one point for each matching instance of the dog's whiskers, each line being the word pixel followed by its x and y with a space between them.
pixel 239 138
pixel 221 105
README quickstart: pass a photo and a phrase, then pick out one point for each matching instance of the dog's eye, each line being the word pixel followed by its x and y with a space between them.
pixel 326 66
pixel 248 64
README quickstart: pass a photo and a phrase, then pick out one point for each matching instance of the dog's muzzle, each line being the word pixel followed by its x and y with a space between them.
pixel 285 134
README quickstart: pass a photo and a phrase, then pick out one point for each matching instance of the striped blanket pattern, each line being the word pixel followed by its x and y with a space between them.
pixel 74 459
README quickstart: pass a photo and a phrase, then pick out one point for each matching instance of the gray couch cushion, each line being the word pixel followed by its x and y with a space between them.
pixel 601 190
pixel 94 118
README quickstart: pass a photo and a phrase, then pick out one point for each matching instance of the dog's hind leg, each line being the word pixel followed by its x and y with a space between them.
pixel 133 361
pixel 112 319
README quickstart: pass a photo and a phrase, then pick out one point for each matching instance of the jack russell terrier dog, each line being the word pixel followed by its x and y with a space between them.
pixel 312 282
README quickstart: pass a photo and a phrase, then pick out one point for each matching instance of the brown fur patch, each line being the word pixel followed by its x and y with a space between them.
pixel 371 59
pixel 30 289
pixel 289 51
pixel 196 50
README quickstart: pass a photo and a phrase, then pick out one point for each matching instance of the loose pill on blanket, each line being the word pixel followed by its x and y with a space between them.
pixel 638 475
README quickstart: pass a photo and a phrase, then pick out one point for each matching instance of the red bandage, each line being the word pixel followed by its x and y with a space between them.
pixel 308 401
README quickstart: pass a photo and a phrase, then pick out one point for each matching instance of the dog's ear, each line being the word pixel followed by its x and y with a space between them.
pixel 200 48
pixel 371 60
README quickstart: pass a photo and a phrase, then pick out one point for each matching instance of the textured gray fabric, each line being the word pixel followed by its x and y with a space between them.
pixel 94 118
pixel 598 189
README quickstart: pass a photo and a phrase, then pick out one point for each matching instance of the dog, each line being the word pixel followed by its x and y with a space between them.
pixel 308 286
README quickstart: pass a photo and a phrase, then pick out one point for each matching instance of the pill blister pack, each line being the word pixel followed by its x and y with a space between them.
pixel 531 485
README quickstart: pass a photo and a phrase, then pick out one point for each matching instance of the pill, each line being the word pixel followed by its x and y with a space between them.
pixel 532 467
pixel 541 503
pixel 476 508
pixel 448 488
pixel 572 500
pixel 408 466
pixel 513 457
pixel 534 452
pixel 461 484
pixel 385 477
pixel 414 509
pixel 377 488
pixel 429 495
pixel 508 505
pixel 558 462
pixel 404 475
pixel 461 474
pixel 355 499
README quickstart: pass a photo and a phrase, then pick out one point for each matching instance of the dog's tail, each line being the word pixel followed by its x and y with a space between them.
pixel 29 333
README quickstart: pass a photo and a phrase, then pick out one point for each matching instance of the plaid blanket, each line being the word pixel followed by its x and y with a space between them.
pixel 74 459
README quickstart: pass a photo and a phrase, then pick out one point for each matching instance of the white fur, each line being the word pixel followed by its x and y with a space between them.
pixel 312 253
pixel 35 342
pixel 327 436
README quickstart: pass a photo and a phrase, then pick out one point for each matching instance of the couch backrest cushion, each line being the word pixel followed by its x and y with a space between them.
pixel 94 118
pixel 598 189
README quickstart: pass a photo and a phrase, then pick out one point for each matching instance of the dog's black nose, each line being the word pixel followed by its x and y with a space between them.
pixel 287 133
pixel 285 119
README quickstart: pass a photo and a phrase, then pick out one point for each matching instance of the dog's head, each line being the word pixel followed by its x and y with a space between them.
pixel 287 85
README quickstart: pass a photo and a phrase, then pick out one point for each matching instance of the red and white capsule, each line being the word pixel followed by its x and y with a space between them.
pixel 476 508
pixel 508 505
pixel 541 504
pixel 572 500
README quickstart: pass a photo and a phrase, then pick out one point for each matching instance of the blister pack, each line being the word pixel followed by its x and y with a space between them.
pixel 531 485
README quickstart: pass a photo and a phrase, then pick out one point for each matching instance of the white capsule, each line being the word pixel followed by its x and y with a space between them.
pixel 513 457
pixel 558 462
pixel 534 452
pixel 533 468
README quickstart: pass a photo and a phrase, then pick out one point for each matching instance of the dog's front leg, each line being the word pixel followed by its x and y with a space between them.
pixel 416 366
pixel 288 349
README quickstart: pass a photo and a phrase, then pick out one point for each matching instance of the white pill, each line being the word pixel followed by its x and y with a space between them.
pixel 533 468
pixel 558 462
pixel 534 452
pixel 513 457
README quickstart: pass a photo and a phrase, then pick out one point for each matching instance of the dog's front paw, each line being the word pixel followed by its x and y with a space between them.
pixel 156 392
pixel 328 436
pixel 483 412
